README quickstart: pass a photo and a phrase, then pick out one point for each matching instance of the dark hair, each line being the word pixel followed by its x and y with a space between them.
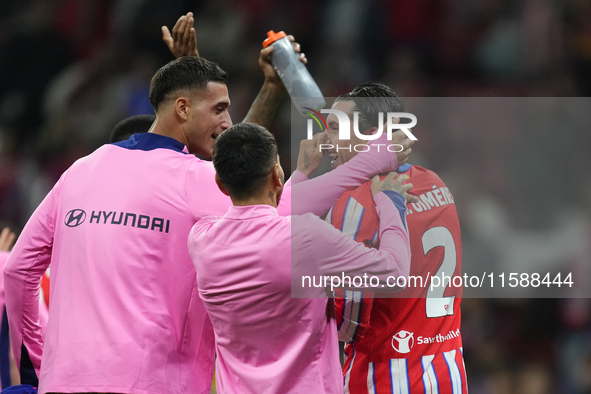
pixel 243 156
pixel 188 72
pixel 370 99
pixel 133 125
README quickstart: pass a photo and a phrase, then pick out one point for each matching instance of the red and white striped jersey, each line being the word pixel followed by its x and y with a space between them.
pixel 411 343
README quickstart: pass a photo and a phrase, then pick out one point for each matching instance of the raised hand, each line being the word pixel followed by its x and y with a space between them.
pixel 264 107
pixel 267 67
pixel 6 239
pixel 183 40
pixel 310 156
pixel 404 149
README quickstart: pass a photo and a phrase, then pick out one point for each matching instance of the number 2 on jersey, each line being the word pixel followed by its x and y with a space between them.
pixel 436 304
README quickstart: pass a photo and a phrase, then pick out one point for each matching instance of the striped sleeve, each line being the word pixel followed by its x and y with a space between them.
pixel 352 308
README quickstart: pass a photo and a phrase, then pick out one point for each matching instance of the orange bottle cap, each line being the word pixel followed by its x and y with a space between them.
pixel 272 37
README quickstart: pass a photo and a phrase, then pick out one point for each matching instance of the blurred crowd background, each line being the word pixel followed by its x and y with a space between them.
pixel 71 69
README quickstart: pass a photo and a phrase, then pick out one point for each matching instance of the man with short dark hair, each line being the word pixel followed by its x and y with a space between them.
pixel 411 343
pixel 125 316
pixel 244 160
pixel 247 260
pixel 191 101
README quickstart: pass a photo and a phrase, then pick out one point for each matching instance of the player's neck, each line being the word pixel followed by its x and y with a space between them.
pixel 267 197
pixel 162 127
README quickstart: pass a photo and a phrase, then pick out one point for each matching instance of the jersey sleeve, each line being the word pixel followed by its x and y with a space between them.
pixel 3 257
pixel 298 177
pixel 26 264
pixel 353 311
pixel 353 308
pixel 336 254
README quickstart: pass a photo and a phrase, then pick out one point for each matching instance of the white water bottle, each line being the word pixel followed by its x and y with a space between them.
pixel 300 85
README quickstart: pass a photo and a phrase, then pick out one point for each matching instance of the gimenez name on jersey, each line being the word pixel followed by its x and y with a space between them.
pixel 438 197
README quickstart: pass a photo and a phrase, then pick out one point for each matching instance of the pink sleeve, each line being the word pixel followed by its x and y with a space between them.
pixel 298 177
pixel 3 257
pixel 317 195
pixel 335 253
pixel 203 194
pixel 27 263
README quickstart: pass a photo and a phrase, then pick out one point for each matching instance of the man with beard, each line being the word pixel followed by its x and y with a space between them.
pixel 411 343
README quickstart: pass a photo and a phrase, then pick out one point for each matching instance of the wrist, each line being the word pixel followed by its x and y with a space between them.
pixel 298 177
pixel 386 196
pixel 274 83
pixel 307 172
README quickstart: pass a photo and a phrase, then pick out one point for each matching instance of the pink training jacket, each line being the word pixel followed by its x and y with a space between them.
pixel 3 257
pixel 266 341
pixel 125 314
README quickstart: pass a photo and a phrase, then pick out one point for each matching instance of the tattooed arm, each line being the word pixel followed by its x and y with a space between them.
pixel 265 106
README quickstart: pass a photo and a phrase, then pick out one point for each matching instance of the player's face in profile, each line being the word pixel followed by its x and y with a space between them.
pixel 209 117
pixel 345 150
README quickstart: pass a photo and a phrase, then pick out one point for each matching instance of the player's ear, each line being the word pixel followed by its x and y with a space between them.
pixel 221 185
pixel 181 107
pixel 276 176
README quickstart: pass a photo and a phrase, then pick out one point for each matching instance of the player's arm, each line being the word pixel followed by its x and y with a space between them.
pixel 335 253
pixel 265 106
pixel 183 40
pixel 353 312
pixel 310 156
pixel 353 308
pixel 317 195
pixel 309 159
pixel 26 264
